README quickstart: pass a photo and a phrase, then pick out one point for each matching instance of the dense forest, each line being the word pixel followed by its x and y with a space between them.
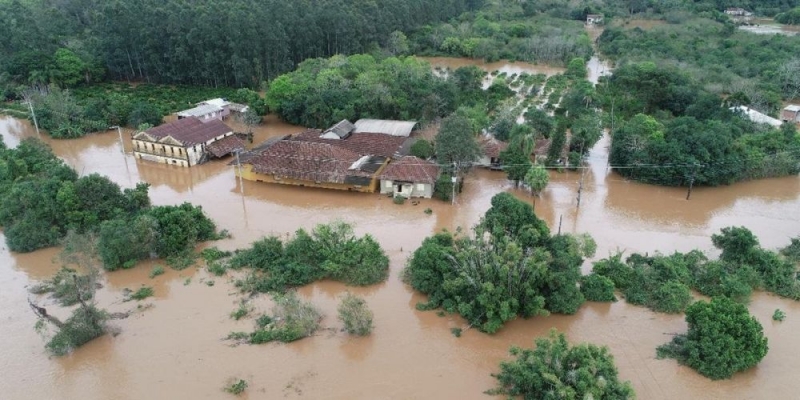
pixel 199 42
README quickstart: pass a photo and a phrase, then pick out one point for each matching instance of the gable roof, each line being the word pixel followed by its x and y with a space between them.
pixel 199 111
pixel 493 147
pixel 219 102
pixel 341 129
pixel 225 146
pixel 411 169
pixel 385 126
pixel 189 131
pixel 792 108
pixel 757 117
pixel 308 161
pixel 363 144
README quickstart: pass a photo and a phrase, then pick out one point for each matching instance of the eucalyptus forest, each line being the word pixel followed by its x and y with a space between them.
pixel 655 98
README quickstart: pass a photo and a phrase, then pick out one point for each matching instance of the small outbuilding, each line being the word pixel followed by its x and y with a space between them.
pixel 204 113
pixel 409 177
pixel 341 130
pixel 491 153
pixel 791 113
pixel 594 19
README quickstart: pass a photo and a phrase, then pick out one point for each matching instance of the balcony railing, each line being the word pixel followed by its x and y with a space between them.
pixel 162 153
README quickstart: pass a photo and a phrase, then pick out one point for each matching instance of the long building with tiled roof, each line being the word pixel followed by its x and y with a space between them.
pixel 183 142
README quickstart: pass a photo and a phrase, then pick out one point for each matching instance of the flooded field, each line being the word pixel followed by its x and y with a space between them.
pixel 174 350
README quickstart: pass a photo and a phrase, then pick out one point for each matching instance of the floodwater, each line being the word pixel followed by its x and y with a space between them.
pixel 768 26
pixel 175 349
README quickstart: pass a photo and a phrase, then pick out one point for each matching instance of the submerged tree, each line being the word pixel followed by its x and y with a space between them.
pixel 722 340
pixel 86 322
pixel 556 370
pixel 537 179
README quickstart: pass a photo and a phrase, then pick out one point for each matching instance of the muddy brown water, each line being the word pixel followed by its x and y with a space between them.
pixel 174 349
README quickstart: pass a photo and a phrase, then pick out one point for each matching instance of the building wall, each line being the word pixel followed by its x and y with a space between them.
pixel 790 116
pixel 248 173
pixel 424 190
pixel 171 154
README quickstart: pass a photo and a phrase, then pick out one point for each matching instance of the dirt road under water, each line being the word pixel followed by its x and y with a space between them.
pixel 174 350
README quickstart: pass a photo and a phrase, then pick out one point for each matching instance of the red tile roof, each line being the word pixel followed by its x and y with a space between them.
pixel 308 161
pixel 225 146
pixel 411 169
pixel 493 147
pixel 190 131
pixel 375 144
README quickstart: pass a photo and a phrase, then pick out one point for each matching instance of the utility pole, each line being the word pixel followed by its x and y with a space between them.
pixel 121 143
pixel 33 114
pixel 454 179
pixel 691 181
pixel 580 185
pixel 560 220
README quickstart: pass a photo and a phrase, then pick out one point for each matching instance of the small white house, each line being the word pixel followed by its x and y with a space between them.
pixel 409 177
pixel 791 113
pixel 341 130
pixel 593 19
pixel 203 112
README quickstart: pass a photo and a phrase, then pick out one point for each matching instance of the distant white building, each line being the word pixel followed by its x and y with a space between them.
pixel 758 117
pixel 593 19
pixel 203 112
pixel 791 113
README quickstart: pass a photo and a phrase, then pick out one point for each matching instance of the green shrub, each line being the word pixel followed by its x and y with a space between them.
pixel 456 332
pixel 65 286
pixel 181 261
pixel 584 371
pixel 141 293
pixel 156 271
pixel 355 315
pixel 399 200
pixel 84 325
pixel 422 149
pixel 242 311
pixel 217 268
pixel 213 254
pixel 237 387
pixel 778 315
pixel 292 319
pixel 331 251
pixel 597 288
pixel 722 339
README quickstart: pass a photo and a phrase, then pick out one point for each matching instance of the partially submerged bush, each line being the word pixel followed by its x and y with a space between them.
pixel 597 288
pixel 65 286
pixel 554 369
pixel 242 311
pixel 355 315
pixel 236 387
pixel 292 319
pixel 331 251
pixel 156 271
pixel 722 339
pixel 141 293
pixel 213 254
pixel 778 315
pixel 85 324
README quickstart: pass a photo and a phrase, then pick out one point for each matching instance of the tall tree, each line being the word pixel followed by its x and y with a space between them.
pixel 455 144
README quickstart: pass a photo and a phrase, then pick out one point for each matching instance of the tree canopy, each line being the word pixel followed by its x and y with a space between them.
pixel 723 339
pixel 556 370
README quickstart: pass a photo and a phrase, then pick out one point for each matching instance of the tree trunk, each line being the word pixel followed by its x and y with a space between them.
pixel 41 312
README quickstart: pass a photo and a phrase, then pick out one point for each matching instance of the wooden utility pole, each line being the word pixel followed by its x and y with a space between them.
pixel 560 220
pixel 691 181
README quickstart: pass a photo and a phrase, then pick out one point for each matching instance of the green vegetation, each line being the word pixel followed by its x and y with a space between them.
pixel 217 268
pixel 722 340
pixel 156 271
pixel 662 283
pixel 355 315
pixel 212 254
pixel 331 251
pixel 64 44
pixel 66 285
pixel 455 143
pixel 518 269
pixel 537 179
pixel 506 30
pixel 140 294
pixel 236 387
pixel 399 200
pixel 422 149
pixel 85 324
pixel 792 251
pixel 241 312
pixel 456 332
pixel 778 315
pixel 554 369
pixel 292 319
pixel 791 17
pixel 597 288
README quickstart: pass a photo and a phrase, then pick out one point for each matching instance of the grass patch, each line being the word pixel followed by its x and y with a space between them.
pixel 236 387
pixel 356 315
pixel 242 311
pixel 141 294
pixel 156 271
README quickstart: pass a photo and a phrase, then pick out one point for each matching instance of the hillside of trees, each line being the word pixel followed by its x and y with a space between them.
pixel 198 42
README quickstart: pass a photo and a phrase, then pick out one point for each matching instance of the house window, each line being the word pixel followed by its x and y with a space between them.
pixel 420 187
pixel 387 184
